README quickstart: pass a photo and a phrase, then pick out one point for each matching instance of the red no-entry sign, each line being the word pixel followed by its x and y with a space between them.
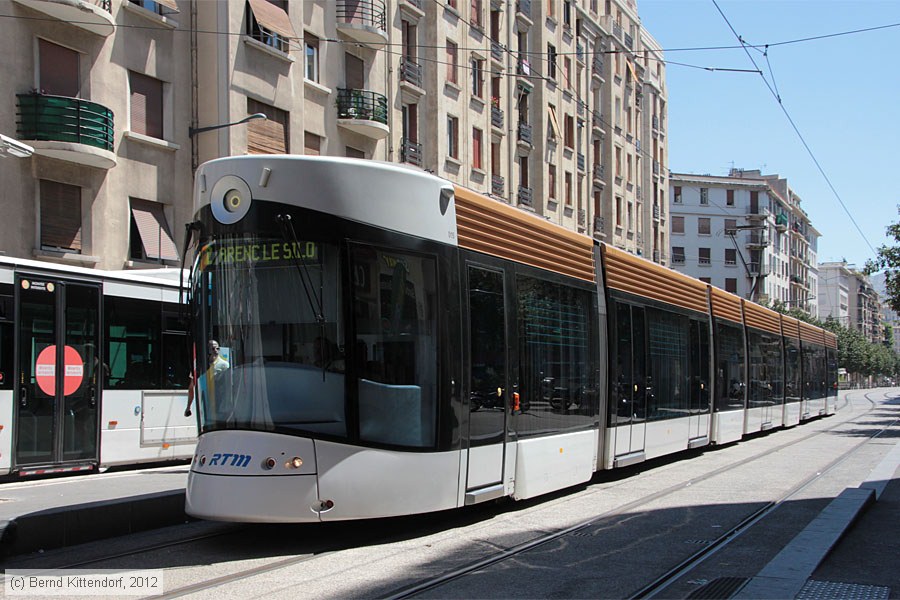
pixel 45 370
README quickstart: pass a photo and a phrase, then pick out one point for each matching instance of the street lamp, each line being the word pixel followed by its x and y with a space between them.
pixel 195 130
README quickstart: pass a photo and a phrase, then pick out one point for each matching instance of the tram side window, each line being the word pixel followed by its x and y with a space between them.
pixel 7 332
pixel 730 380
pixel 630 386
pixel 792 386
pixel 554 358
pixel 766 371
pixel 669 370
pixel 395 348
pixel 699 367
pixel 133 344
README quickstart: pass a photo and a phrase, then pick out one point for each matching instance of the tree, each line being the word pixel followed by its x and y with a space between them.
pixel 888 260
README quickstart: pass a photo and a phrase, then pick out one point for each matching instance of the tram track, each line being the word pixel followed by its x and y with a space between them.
pixel 322 551
pixel 678 571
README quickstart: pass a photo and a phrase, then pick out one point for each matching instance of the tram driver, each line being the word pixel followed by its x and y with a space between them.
pixel 216 365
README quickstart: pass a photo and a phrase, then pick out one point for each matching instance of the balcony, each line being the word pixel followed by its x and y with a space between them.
pixel 498 185
pixel 599 227
pixel 656 212
pixel 363 21
pixel 629 42
pixel 656 167
pixel 654 120
pixel 496 116
pixel 758 212
pixel 68 129
pixel 597 66
pixel 523 12
pixel 582 217
pixel 617 30
pixel 781 222
pixel 524 133
pixel 497 51
pixel 410 152
pixel 758 240
pixel 363 112
pixel 599 171
pixel 597 121
pixel 90 15
pixel 581 161
pixel 756 270
pixel 525 196
pixel 411 73
pixel 579 52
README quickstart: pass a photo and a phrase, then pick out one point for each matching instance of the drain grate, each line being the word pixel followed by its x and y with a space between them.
pixel 830 590
pixel 721 587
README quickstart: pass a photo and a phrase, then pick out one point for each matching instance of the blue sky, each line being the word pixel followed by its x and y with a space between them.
pixel 842 92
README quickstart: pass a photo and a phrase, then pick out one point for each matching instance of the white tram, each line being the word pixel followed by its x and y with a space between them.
pixel 387 343
pixel 94 369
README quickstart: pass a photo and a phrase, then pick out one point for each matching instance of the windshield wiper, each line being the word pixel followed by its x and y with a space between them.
pixel 286 225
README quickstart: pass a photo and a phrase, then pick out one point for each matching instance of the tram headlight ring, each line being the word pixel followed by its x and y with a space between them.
pixel 230 199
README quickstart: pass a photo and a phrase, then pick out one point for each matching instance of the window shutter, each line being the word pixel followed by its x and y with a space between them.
pixel 150 219
pixel 269 136
pixel 312 144
pixel 60 215
pixel 146 105
pixel 59 70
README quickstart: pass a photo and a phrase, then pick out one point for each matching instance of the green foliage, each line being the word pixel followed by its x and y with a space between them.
pixel 888 261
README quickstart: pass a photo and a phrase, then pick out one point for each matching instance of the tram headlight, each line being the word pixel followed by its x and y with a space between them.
pixel 296 462
pixel 230 199
pixel 269 463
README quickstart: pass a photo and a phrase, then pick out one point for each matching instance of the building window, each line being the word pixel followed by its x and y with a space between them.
pixel 351 152
pixel 704 195
pixel 568 190
pixel 704 256
pixel 453 137
pixel 676 198
pixel 60 216
pixel 551 182
pixel 703 227
pixel 150 236
pixel 677 224
pixel 731 285
pixel 706 280
pixel 146 105
pixel 570 131
pixel 477 78
pixel 477 139
pixel 452 62
pixel 311 47
pixel 619 163
pixel 269 136
pixel 567 13
pixel 730 226
pixel 678 255
pixel 551 61
pixel 730 256
pixel 618 211
pixel 58 71
pixel 312 144
pixel 476 15
pixel 729 197
pixel 158 6
pixel 269 23
pixel 567 72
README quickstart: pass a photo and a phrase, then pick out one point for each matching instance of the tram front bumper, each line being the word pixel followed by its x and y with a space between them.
pixel 248 499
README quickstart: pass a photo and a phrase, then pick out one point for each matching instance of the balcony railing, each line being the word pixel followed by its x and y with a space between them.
pixel 579 52
pixel 525 196
pixel 678 259
pixel 496 51
pixel 656 213
pixel 582 217
pixel 411 152
pixel 62 119
pixel 410 71
pixel 496 117
pixel 581 161
pixel 524 133
pixel 369 13
pixel 599 171
pixel 599 225
pixel 597 120
pixel 498 185
pixel 524 7
pixel 597 65
pixel 655 122
pixel 416 3
pixel 362 104
pixel 656 167
pixel 758 239
pixel 629 41
pixel 617 30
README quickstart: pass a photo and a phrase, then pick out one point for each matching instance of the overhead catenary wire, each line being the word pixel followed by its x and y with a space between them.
pixel 797 130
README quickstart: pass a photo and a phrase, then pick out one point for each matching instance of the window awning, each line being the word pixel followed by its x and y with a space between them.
pixel 553 122
pixel 154 230
pixel 272 18
pixel 170 4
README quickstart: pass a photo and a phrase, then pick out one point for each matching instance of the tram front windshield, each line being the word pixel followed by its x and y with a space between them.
pixel 270 313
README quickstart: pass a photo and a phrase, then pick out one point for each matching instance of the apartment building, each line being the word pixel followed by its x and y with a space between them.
pixel 744 234
pixel 554 106
pixel 847 295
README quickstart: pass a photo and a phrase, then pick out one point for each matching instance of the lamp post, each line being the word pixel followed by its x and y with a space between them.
pixel 192 131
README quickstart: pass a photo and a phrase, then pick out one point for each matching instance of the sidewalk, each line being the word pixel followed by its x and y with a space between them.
pixel 51 513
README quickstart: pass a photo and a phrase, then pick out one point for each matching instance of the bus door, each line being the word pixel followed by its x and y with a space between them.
pixel 490 393
pixel 57 382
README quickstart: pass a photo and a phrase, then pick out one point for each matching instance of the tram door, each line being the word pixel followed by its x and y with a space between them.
pixel 489 390
pixel 57 386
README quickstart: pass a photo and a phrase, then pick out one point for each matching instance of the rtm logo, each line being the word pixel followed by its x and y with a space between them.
pixel 237 460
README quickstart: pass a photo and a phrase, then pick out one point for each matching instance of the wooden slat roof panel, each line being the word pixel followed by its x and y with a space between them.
pixel 641 277
pixel 762 317
pixel 488 226
pixel 726 305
